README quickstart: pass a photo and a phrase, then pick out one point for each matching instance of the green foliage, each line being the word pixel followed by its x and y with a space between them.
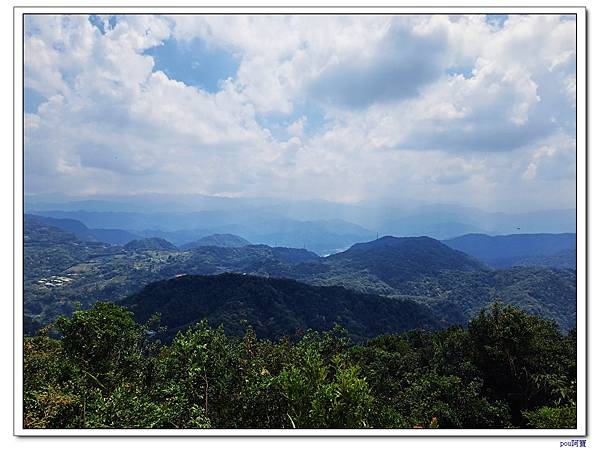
pixel 321 389
pixel 508 369
pixel 559 417
pixel 104 341
pixel 453 402
pixel 198 369
pixel 345 402
pixel 523 358
pixel 421 376
pixel 47 400
pixel 274 307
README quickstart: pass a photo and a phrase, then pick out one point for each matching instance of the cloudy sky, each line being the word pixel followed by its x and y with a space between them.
pixel 476 110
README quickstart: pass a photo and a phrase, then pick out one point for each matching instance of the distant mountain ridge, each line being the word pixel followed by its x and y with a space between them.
pixel 320 236
pixel 394 216
pixel 217 240
pixel 147 244
pixel 49 250
pixel 320 226
pixel 518 249
pixel 79 229
pixel 73 226
pixel 396 261
pixel 391 261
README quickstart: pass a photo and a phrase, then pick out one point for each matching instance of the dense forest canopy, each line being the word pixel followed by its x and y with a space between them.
pixel 101 369
pixel 275 307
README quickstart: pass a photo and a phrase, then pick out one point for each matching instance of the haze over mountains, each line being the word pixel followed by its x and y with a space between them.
pixel 556 250
pixel 320 226
pixel 79 252
pixel 218 240
pixel 79 229
pixel 63 271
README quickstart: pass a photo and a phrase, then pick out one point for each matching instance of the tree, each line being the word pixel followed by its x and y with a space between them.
pixel 104 342
pixel 198 369
pixel 524 359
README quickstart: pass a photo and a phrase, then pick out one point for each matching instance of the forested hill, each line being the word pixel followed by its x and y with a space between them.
pixel 148 244
pixel 397 260
pixel 563 259
pixel 48 250
pixel 274 307
pixel 217 240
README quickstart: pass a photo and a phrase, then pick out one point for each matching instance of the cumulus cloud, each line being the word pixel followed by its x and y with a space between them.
pixel 400 64
pixel 395 116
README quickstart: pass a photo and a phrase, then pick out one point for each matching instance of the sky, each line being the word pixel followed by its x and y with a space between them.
pixel 473 110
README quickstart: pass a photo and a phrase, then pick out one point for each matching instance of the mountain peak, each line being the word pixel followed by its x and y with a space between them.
pixel 154 243
pixel 397 260
pixel 393 241
pixel 218 240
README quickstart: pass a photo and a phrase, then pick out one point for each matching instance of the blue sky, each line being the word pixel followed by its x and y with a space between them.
pixel 32 100
pixel 475 110
pixel 194 62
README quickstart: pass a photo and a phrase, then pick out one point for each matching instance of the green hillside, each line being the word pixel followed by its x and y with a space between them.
pixel 274 307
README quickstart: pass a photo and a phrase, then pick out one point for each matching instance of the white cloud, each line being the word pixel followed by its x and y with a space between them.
pixel 296 128
pixel 439 108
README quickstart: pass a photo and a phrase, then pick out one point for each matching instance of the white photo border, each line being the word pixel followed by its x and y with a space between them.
pixel 581 222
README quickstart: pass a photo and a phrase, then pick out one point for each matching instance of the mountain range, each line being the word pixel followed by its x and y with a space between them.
pixel 320 226
pixel 321 236
pixel 79 229
pixel 452 284
pixel 554 250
